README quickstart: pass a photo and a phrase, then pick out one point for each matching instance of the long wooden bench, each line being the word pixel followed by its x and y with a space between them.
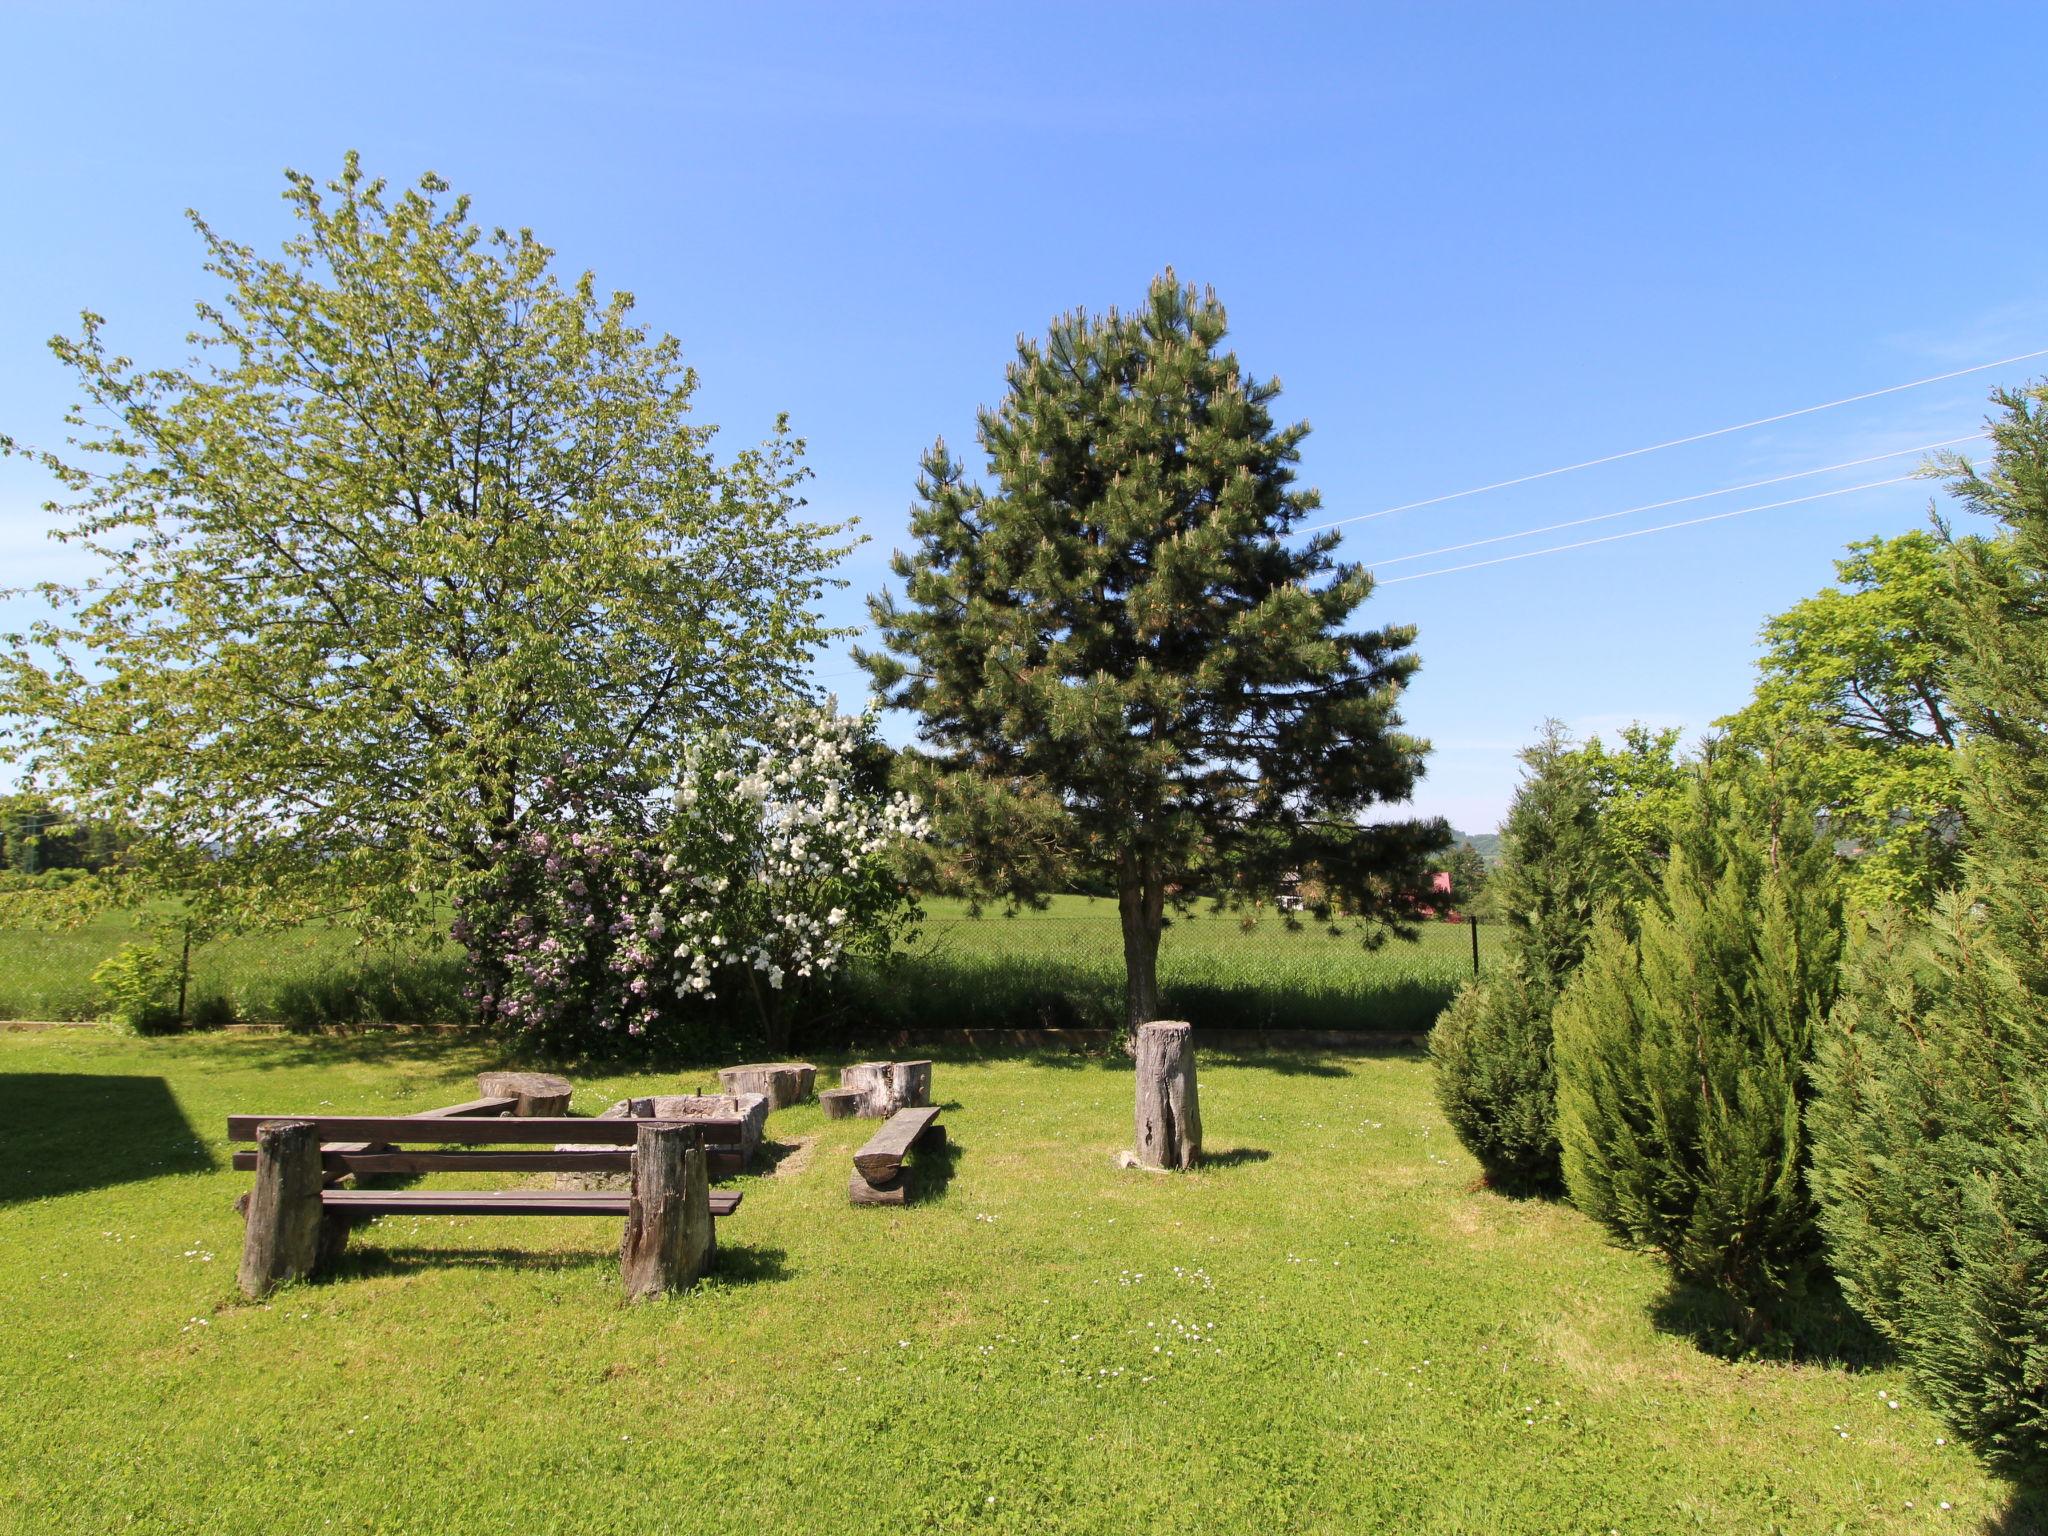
pixel 879 1177
pixel 298 1222
pixel 375 1151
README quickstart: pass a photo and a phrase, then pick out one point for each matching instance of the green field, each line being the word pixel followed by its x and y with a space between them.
pixel 1325 1330
pixel 1060 966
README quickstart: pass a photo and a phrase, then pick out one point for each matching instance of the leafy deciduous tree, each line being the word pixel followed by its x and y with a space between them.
pixel 1853 688
pixel 422 535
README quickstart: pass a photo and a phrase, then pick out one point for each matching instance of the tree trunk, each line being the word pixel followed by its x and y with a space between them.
pixel 1169 1113
pixel 668 1239
pixel 1141 906
pixel 288 1235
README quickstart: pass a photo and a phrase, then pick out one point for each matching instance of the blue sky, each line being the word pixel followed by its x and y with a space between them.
pixel 1473 242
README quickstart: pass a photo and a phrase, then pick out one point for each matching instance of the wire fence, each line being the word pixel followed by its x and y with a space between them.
pixel 1057 967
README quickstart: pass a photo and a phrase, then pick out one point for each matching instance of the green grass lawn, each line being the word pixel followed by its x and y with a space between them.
pixel 1325 1330
pixel 1060 966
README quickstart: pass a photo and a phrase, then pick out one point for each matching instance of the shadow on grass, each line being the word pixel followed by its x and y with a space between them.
pixel 367 1263
pixel 2025 1515
pixel 64 1132
pixel 931 1169
pixel 1233 1157
pixel 748 1264
pixel 1819 1328
pixel 737 1262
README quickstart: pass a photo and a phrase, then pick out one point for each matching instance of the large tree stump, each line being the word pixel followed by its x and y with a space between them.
pixel 1169 1114
pixel 536 1093
pixel 289 1235
pixel 888 1086
pixel 668 1239
pixel 785 1082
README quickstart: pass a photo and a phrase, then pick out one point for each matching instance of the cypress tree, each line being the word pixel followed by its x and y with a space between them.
pixel 1126 662
pixel 1682 1050
pixel 1492 1047
pixel 1931 1125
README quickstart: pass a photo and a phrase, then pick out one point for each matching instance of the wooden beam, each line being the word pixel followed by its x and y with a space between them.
pixel 548 1129
pixel 496 1202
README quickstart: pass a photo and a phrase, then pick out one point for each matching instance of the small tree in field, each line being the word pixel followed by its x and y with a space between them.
pixel 1127 664
pixel 1682 1048
pixel 1931 1126
pixel 425 540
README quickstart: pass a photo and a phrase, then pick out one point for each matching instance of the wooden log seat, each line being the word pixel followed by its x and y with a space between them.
pixel 887 1086
pixel 879 1175
pixel 297 1224
pixel 784 1082
pixel 532 1093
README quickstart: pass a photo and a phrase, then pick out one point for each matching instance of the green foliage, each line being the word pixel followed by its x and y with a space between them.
pixel 1123 659
pixel 137 987
pixel 38 836
pixel 421 528
pixel 1492 1047
pixel 1495 1079
pixel 1640 786
pixel 1468 870
pixel 1854 692
pixel 1931 1126
pixel 1930 1143
pixel 1682 1049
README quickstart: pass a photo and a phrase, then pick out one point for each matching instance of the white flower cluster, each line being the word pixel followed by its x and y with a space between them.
pixel 776 854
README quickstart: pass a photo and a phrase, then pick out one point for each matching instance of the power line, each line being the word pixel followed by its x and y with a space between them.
pixel 1676 442
pixel 1675 501
pixel 1637 533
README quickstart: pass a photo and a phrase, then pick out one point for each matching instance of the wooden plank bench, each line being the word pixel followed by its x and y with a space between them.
pixel 373 1148
pixel 878 1174
pixel 298 1223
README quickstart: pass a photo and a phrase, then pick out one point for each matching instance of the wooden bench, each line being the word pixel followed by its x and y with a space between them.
pixel 878 1173
pixel 298 1222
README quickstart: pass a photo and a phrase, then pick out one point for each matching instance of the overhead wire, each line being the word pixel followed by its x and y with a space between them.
pixel 1675 442
pixel 1675 501
pixel 1637 533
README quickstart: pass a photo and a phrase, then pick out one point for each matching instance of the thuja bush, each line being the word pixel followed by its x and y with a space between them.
pixel 727 903
pixel 1492 1047
pixel 1931 1125
pixel 1682 1049
pixel 1930 1141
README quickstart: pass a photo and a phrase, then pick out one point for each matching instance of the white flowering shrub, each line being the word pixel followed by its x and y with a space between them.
pixel 768 866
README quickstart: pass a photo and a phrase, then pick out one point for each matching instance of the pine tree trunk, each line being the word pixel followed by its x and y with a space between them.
pixel 1141 905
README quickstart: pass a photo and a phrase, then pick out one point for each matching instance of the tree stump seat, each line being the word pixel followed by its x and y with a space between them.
pixel 879 1176
pixel 784 1082
pixel 887 1086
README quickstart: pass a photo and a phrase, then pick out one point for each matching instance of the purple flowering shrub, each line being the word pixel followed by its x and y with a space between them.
pixel 747 885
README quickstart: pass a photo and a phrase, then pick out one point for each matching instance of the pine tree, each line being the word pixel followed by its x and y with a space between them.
pixel 1931 1126
pixel 1492 1047
pixel 1127 663
pixel 1682 1050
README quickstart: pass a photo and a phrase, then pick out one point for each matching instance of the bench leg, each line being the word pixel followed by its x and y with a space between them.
pixel 668 1241
pixel 288 1235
